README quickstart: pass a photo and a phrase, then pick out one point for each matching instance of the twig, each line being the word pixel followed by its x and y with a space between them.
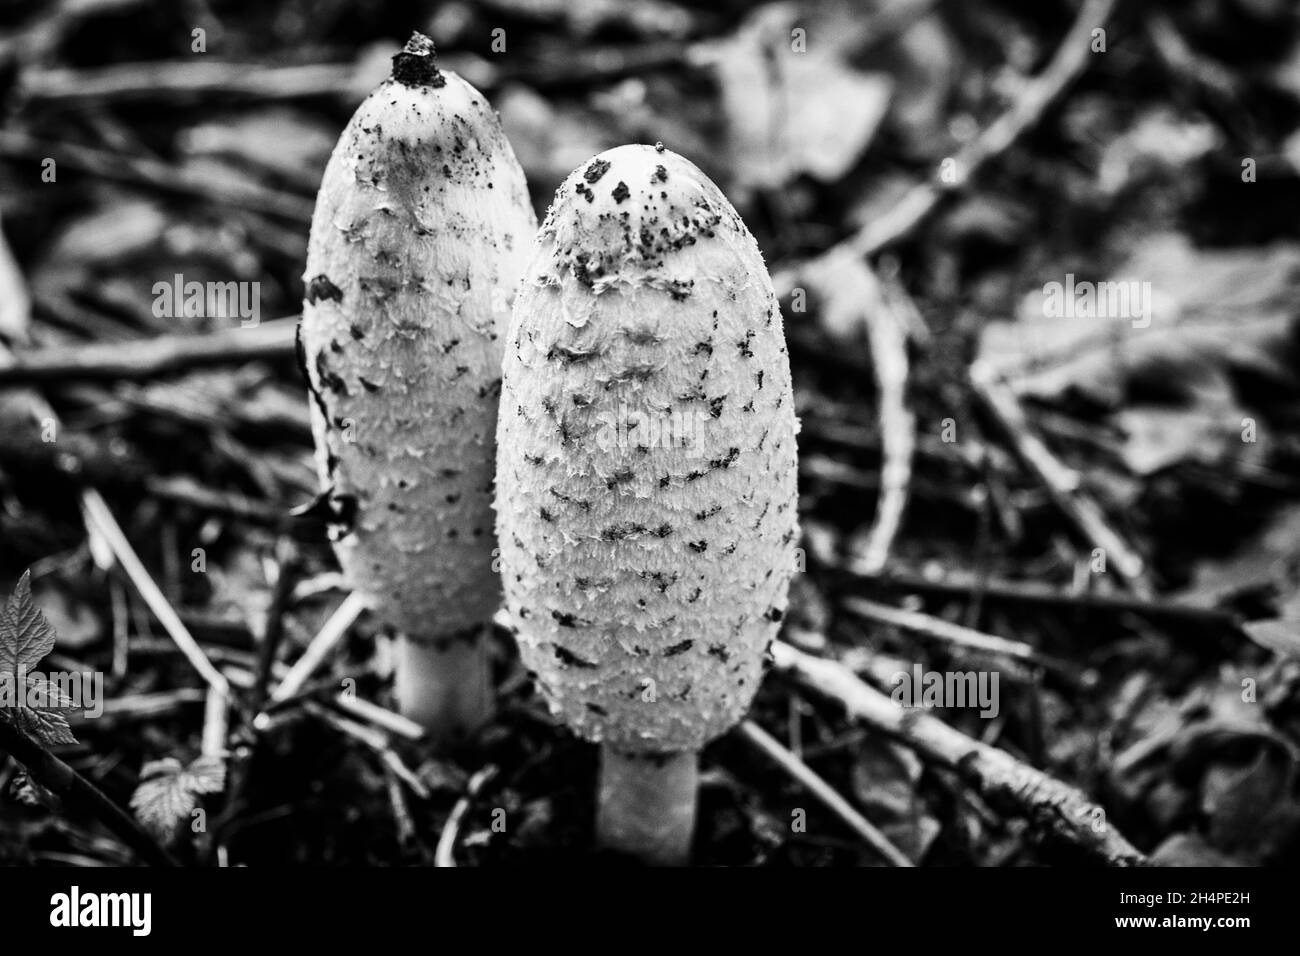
pixel 148 358
pixel 1039 92
pixel 823 791
pixel 15 300
pixel 1044 596
pixel 145 706
pixel 143 171
pixel 374 740
pixel 1065 67
pixel 216 714
pixel 273 633
pixel 382 717
pixel 401 812
pixel 57 777
pixel 189 81
pixel 334 630
pixel 85 460
pixel 445 854
pixel 41 35
pixel 1055 806
pixel 1062 483
pixel 101 517
pixel 888 338
pixel 99 520
pixel 935 627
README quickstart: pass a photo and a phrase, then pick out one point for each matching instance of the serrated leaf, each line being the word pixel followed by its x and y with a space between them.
pixel 48 726
pixel 31 703
pixel 25 635
pixel 207 775
pixel 168 793
pixel 42 712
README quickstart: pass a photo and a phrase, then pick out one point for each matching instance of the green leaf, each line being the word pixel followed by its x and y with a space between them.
pixel 168 793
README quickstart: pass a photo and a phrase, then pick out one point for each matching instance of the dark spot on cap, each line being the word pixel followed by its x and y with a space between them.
pixel 621 191
pixel 567 657
pixel 321 288
pixel 597 168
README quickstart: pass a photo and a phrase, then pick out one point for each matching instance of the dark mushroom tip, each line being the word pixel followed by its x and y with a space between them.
pixel 417 64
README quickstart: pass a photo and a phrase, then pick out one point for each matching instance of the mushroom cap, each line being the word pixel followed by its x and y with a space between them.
pixel 646 481
pixel 422 228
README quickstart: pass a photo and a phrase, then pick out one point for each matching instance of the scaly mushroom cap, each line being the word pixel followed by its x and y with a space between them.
pixel 646 483
pixel 422 229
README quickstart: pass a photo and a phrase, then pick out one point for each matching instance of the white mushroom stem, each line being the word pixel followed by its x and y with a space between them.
pixel 646 805
pixel 446 686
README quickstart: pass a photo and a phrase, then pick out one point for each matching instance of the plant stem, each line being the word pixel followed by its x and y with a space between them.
pixel 445 687
pixel 646 805
pixel 57 777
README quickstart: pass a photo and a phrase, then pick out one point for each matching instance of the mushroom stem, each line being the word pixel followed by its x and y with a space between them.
pixel 646 805
pixel 445 686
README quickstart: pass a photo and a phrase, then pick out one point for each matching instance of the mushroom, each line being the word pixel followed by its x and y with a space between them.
pixel 421 231
pixel 646 479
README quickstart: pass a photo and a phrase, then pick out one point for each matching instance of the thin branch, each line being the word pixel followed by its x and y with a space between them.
pixel 823 791
pixel 924 198
pixel 99 516
pixel 160 176
pixel 273 632
pixel 187 81
pixel 887 335
pixel 333 631
pixel 216 722
pixel 1040 92
pixel 445 855
pixel 374 740
pixel 149 358
pixel 1061 482
pixel 1039 595
pixel 936 627
pixel 1050 804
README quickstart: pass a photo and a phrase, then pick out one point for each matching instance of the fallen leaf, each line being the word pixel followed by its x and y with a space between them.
pixel 885 780
pixel 1281 637
pixel 1189 849
pixel 168 793
pixel 786 105
pixel 1162 346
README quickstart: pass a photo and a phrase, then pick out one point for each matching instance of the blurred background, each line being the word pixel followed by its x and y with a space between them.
pixel 1116 492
